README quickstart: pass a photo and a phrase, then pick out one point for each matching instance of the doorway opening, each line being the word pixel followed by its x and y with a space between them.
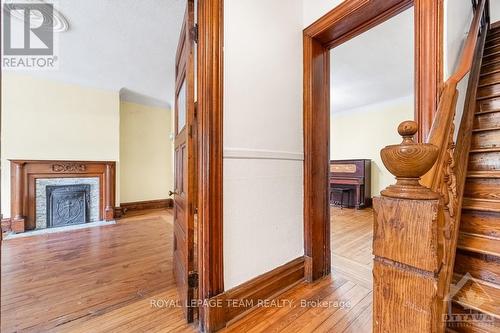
pixel 343 23
pixel 370 96
pixel 90 124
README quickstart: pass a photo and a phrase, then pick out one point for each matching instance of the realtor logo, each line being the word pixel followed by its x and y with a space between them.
pixel 28 34
pixel 43 33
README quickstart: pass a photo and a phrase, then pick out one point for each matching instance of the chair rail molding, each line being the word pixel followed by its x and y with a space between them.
pixel 262 154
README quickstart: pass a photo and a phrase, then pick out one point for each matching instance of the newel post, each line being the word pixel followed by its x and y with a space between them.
pixel 406 245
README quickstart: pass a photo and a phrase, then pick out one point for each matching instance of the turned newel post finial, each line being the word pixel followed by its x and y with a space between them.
pixel 409 161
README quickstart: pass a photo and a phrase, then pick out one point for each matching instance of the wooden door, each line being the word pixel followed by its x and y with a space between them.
pixel 185 158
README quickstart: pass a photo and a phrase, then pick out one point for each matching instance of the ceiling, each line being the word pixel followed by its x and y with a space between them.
pixel 374 67
pixel 121 45
pixel 129 46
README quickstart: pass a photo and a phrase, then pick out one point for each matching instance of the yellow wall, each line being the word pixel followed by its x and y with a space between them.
pixel 361 133
pixel 44 119
pixel 145 152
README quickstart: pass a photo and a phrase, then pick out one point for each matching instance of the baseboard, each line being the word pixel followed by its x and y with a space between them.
pixel 263 287
pixel 143 205
pixel 118 212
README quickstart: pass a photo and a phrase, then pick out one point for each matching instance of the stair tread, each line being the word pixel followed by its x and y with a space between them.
pixel 476 295
pixel 483 174
pixel 486 129
pixel 479 243
pixel 492 54
pixel 492 42
pixel 488 92
pixel 490 79
pixel 492 34
pixel 490 69
pixel 485 112
pixel 486 150
pixel 487 205
pixel 490 61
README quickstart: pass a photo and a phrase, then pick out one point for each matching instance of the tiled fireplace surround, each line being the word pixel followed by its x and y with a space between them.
pixel 41 197
pixel 29 180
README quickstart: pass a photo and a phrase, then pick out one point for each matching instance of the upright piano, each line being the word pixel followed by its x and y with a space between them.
pixel 354 174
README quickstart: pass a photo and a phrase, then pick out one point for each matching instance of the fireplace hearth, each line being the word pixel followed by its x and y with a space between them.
pixel 68 205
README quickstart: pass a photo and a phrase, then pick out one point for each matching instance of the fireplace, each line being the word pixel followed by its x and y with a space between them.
pixel 68 205
pixel 28 193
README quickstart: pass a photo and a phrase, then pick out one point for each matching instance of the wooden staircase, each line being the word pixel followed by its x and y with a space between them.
pixel 477 261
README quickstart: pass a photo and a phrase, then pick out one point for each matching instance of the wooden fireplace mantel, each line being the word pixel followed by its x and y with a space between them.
pixel 24 174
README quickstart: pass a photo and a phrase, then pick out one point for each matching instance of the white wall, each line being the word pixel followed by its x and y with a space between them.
pixel 44 120
pixel 314 9
pixel 457 20
pixel 363 132
pixel 145 152
pixel 494 10
pixel 263 194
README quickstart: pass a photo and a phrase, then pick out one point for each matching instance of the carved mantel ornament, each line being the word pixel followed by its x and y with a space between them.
pixel 68 167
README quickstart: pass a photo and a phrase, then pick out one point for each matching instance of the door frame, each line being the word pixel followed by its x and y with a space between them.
pixel 210 89
pixel 344 22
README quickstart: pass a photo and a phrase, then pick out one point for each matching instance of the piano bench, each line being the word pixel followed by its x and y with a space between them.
pixel 341 191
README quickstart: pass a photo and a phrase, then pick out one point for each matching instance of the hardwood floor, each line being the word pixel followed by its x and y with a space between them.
pixel 105 279
pixel 351 243
pixel 341 302
pixel 93 280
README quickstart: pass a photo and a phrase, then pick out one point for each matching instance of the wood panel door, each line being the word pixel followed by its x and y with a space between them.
pixel 185 164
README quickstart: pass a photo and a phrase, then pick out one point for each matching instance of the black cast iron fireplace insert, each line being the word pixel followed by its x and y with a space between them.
pixel 67 205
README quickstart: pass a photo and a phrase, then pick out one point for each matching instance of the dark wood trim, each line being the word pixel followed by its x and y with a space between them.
pixel 118 213
pixel 24 174
pixel 351 18
pixel 344 22
pixel 317 157
pixel 6 225
pixel 143 205
pixel 264 287
pixel 428 62
pixel 210 158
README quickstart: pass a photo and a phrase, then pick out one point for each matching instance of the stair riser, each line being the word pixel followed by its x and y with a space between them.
pixel 490 69
pixel 489 91
pixel 486 139
pixel 483 267
pixel 483 189
pixel 492 35
pixel 491 43
pixel 491 60
pixel 484 161
pixel 491 53
pixel 489 105
pixel 489 79
pixel 488 120
pixel 481 223
pixel 492 48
